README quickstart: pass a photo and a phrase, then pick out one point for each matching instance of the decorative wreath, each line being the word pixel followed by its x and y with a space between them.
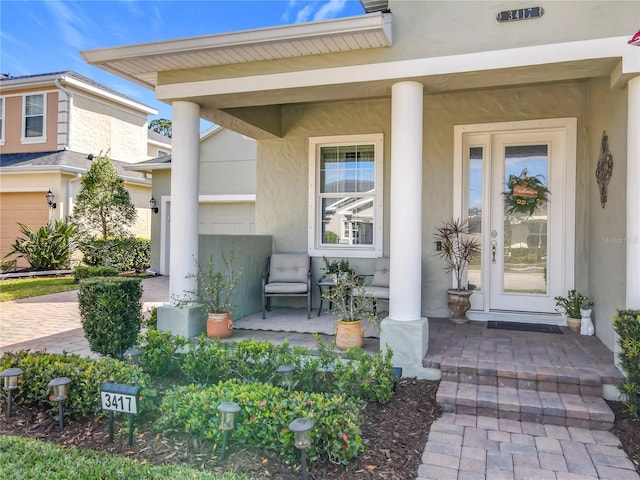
pixel 525 195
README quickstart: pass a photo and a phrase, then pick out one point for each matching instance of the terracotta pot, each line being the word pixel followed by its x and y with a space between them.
pixel 219 325
pixel 459 304
pixel 574 324
pixel 349 335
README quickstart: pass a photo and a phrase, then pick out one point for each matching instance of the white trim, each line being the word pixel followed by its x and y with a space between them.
pixel 360 251
pixel 23 189
pixel 2 119
pixel 23 125
pixel 29 168
pixel 156 143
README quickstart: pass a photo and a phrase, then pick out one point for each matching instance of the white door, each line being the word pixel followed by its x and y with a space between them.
pixel 527 245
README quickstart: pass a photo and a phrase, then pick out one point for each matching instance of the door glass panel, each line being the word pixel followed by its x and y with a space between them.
pixel 474 212
pixel 525 236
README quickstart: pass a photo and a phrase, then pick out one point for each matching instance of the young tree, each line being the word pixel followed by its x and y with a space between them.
pixel 162 126
pixel 103 208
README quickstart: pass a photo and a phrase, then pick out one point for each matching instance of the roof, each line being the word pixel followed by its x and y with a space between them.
pixel 141 63
pixel 61 160
pixel 71 79
pixel 157 137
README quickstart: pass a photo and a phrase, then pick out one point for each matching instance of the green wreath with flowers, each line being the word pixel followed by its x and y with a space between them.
pixel 525 195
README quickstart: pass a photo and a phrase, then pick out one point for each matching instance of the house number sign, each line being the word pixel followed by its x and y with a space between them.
pixel 520 14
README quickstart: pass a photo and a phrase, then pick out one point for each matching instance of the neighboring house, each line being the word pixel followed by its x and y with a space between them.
pixel 226 190
pixel 51 126
pixel 436 116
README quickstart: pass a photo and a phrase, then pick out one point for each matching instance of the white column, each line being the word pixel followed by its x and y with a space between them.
pixel 185 157
pixel 405 282
pixel 633 193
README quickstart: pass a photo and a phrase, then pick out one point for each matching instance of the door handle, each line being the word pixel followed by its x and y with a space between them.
pixel 494 245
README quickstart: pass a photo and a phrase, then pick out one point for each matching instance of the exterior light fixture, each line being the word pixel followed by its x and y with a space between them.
pixel 132 355
pixel 396 374
pixel 228 412
pixel 60 388
pixel 286 375
pixel 10 376
pixel 301 428
pixel 153 205
pixel 50 196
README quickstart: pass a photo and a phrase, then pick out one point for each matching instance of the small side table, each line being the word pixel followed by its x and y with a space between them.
pixel 328 285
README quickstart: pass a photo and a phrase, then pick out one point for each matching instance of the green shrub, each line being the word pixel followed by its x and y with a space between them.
pixel 159 352
pixel 46 249
pixel 83 272
pixel 125 254
pixel 266 412
pixel 86 377
pixel 111 313
pixel 152 321
pixel 627 326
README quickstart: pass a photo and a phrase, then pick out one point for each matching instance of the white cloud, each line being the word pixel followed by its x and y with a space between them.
pixel 330 9
pixel 304 14
pixel 71 23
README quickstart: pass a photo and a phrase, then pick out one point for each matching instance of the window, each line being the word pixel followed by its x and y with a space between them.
pixel 1 121
pixel 162 153
pixel 345 195
pixel 34 108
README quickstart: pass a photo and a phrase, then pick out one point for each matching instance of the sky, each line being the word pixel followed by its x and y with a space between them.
pixel 46 36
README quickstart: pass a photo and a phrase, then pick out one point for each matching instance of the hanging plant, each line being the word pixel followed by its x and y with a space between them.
pixel 525 195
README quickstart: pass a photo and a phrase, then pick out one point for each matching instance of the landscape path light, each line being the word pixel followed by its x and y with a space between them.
pixel 228 412
pixel 10 376
pixel 301 428
pixel 60 387
pixel 132 355
pixel 286 375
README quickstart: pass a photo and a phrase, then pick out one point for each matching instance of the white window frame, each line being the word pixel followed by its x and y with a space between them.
pixel 3 102
pixel 43 138
pixel 315 247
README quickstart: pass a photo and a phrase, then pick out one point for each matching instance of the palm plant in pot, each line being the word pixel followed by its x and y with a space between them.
pixel 214 289
pixel 349 303
pixel 457 247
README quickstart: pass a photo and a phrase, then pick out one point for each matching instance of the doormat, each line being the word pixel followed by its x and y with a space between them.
pixel 524 327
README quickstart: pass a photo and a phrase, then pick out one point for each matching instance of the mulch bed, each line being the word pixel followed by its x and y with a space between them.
pixel 396 434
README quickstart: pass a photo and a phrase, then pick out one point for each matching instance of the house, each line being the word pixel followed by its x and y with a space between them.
pixel 226 190
pixel 435 104
pixel 52 126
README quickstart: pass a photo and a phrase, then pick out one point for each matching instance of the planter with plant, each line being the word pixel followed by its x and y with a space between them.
pixel 457 247
pixel 213 293
pixel 571 307
pixel 348 302
pixel 332 269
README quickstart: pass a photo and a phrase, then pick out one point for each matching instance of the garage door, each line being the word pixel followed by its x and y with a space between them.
pixel 26 207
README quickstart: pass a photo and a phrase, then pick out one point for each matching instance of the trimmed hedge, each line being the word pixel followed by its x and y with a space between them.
pixel 627 326
pixel 111 311
pixel 125 254
pixel 86 377
pixel 82 272
pixel 265 414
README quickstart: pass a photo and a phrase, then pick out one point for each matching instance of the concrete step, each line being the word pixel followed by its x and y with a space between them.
pixel 525 404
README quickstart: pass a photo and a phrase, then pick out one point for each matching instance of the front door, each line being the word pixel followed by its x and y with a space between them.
pixel 516 196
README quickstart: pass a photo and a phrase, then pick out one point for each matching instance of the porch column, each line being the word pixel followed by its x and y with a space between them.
pixel 405 331
pixel 185 163
pixel 633 194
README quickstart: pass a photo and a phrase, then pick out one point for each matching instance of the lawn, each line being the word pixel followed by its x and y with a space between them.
pixel 31 287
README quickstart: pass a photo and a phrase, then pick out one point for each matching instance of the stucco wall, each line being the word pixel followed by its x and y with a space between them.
pixel 607 226
pixel 281 205
pixel 14 123
pixel 227 164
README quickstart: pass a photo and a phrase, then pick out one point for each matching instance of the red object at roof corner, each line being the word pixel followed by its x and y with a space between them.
pixel 635 40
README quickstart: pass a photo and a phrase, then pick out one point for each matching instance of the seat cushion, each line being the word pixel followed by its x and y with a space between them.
pixel 381 275
pixel 289 267
pixel 376 292
pixel 285 288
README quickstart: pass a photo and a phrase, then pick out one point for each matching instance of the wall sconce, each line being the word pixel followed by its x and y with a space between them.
pixel 228 412
pixel 132 355
pixel 50 196
pixel 60 388
pixel 10 376
pixel 153 205
pixel 286 375
pixel 301 428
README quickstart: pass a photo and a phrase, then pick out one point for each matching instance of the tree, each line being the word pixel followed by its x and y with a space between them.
pixel 162 126
pixel 103 207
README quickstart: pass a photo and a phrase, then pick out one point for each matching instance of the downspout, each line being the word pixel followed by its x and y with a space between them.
pixel 69 94
pixel 70 194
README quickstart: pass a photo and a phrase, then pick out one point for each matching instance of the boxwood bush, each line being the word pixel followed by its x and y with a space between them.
pixel 125 254
pixel 264 418
pixel 82 272
pixel 627 326
pixel 111 311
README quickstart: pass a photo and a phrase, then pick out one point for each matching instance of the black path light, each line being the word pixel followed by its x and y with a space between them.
pixel 60 388
pixel 301 428
pixel 286 375
pixel 10 376
pixel 132 355
pixel 228 412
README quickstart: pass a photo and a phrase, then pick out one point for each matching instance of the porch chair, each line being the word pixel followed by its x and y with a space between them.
pixel 287 275
pixel 378 289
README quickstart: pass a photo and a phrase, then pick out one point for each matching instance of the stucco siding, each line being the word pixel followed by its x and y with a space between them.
pixel 14 124
pixel 227 164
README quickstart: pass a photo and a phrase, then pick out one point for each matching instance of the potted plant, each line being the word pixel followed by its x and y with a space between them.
pixel 571 305
pixel 349 303
pixel 334 268
pixel 212 295
pixel 457 247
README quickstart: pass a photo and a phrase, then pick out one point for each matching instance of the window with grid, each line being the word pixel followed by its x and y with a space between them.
pixel 34 116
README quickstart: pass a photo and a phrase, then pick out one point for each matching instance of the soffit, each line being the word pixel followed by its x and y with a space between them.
pixel 141 63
